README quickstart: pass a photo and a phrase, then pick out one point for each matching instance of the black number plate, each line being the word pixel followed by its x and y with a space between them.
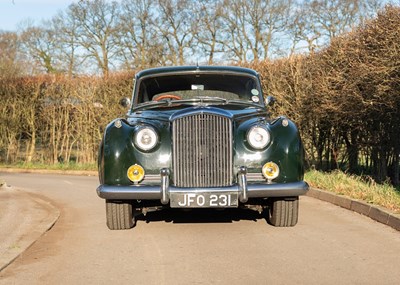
pixel 204 200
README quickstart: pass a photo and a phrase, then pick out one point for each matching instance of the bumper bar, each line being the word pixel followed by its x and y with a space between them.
pixel 161 192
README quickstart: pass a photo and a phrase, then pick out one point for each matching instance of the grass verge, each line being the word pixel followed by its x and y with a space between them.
pixel 57 166
pixel 355 187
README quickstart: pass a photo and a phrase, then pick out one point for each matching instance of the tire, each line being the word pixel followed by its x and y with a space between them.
pixel 119 215
pixel 283 212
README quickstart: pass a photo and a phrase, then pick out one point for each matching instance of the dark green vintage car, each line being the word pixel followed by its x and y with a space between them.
pixel 200 137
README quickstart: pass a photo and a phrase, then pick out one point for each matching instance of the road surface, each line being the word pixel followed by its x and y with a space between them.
pixel 329 245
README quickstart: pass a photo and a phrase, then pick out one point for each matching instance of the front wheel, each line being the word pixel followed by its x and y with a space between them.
pixel 119 215
pixel 283 212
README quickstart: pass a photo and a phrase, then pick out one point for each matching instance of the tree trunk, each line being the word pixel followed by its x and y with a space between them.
pixel 352 151
pixel 31 148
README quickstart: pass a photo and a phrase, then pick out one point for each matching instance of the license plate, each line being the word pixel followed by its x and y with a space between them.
pixel 204 200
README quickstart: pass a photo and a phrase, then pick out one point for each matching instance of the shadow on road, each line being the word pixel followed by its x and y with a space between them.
pixel 201 216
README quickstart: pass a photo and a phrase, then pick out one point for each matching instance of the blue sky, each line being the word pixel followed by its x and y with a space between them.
pixel 13 12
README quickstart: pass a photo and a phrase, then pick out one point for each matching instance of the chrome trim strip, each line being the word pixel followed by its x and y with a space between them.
pixel 152 178
pixel 255 177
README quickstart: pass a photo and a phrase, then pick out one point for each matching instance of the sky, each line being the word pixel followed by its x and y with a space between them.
pixel 13 12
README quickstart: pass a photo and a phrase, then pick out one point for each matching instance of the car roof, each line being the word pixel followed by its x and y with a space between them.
pixel 195 69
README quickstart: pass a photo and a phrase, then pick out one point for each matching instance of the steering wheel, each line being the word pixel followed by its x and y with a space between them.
pixel 166 96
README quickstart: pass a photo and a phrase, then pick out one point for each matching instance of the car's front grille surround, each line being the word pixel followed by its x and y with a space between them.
pixel 202 151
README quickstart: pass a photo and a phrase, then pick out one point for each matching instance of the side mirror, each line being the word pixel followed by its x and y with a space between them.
pixel 125 102
pixel 270 101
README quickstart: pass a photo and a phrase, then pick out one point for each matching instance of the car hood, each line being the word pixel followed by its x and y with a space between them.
pixel 234 112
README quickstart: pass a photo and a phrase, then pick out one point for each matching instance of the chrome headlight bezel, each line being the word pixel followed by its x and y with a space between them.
pixel 258 137
pixel 146 138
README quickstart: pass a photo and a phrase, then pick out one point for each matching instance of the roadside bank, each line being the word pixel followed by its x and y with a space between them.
pixel 24 218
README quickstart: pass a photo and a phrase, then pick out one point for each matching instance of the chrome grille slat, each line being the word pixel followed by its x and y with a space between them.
pixel 202 151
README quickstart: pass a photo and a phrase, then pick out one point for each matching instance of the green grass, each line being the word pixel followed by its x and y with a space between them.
pixel 57 166
pixel 355 187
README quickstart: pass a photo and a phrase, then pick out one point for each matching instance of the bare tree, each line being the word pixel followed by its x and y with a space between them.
pixel 175 29
pixel 96 30
pixel 252 27
pixel 319 21
pixel 40 45
pixel 65 26
pixel 207 27
pixel 137 38
pixel 9 61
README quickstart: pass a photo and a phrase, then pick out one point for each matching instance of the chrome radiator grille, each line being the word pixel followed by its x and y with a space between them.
pixel 202 151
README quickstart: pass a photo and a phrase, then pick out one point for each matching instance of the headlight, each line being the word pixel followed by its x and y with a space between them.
pixel 258 137
pixel 146 138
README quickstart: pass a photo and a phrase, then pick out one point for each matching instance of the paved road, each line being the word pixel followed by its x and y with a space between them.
pixel 330 245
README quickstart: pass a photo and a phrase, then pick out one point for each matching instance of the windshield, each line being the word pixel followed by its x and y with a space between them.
pixel 194 85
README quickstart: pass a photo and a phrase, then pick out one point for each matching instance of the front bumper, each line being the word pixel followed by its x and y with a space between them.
pixel 162 192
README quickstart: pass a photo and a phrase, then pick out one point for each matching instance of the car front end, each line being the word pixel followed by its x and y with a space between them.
pixel 200 137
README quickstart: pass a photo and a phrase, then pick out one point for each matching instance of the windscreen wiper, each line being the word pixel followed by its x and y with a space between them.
pixel 240 102
pixel 151 104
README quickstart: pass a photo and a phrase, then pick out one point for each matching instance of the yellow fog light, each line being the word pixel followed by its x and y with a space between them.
pixel 270 170
pixel 135 173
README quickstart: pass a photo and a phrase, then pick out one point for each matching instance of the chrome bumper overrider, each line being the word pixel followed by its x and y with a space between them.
pixel 161 192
